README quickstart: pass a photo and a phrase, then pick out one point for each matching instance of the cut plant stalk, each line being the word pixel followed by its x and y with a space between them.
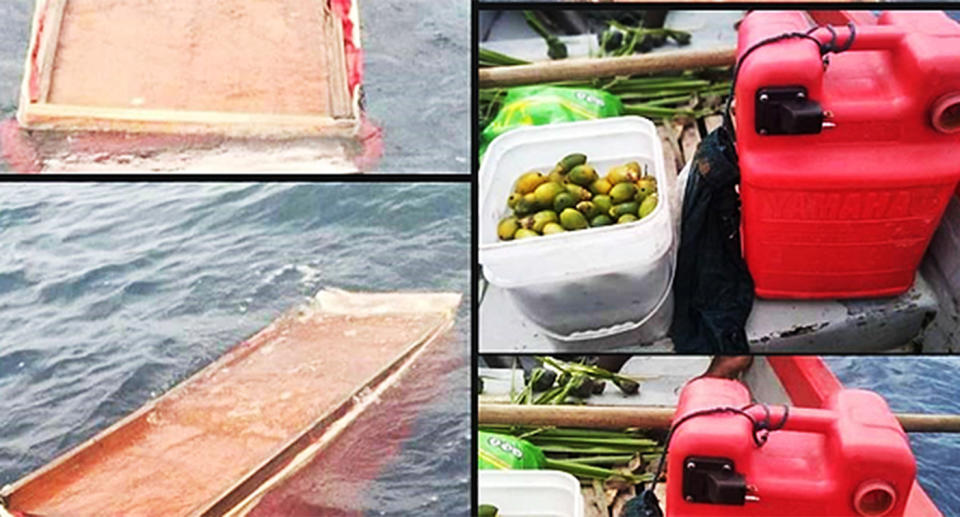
pixel 593 472
pixel 555 48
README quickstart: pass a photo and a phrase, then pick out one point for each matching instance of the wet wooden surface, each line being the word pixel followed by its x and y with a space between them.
pixel 210 55
pixel 182 452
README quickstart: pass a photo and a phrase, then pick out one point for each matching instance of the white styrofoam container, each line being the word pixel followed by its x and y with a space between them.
pixel 588 284
pixel 531 493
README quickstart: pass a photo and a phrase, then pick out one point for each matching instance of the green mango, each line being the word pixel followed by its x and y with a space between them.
pixel 571 219
pixel 568 162
pixel 582 175
pixel 578 192
pixel 604 203
pixel 507 227
pixel 647 206
pixel 512 200
pixel 646 186
pixel 488 510
pixel 557 176
pixel 551 228
pixel 623 219
pixel 588 209
pixel 621 174
pixel 523 233
pixel 545 193
pixel 541 218
pixel 600 187
pixel 564 200
pixel 622 192
pixel 526 205
pixel 601 220
pixel 529 181
pixel 630 207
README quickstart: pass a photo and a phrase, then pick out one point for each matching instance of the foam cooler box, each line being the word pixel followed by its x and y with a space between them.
pixel 850 458
pixel 595 285
pixel 846 167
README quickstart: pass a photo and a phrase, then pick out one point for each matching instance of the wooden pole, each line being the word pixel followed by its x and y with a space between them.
pixel 590 68
pixel 621 417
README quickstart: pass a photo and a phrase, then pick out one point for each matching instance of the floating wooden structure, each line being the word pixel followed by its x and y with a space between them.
pixel 284 68
pixel 249 419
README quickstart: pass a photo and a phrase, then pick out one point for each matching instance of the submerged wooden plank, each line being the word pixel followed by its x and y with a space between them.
pixel 203 441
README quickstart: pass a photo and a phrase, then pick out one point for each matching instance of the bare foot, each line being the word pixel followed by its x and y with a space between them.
pixel 728 366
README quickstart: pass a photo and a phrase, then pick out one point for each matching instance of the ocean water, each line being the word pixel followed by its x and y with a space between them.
pixel 916 385
pixel 416 83
pixel 112 293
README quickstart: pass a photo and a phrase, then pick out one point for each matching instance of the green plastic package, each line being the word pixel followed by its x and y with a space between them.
pixel 541 105
pixel 503 452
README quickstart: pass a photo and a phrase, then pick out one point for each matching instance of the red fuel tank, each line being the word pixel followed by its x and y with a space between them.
pixel 847 165
pixel 849 458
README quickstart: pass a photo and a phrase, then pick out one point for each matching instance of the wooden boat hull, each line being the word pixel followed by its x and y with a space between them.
pixel 276 399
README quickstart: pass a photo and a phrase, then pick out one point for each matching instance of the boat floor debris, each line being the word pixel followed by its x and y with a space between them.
pixel 211 441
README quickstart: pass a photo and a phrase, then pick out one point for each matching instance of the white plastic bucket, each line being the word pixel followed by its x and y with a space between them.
pixel 589 284
pixel 531 493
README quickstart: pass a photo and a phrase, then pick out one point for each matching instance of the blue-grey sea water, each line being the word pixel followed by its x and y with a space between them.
pixel 112 293
pixel 416 82
pixel 916 384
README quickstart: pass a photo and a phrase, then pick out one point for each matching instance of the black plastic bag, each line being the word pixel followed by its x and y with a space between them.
pixel 713 291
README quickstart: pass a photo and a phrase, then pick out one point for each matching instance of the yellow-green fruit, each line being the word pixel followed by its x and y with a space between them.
pixel 604 203
pixel 507 227
pixel 600 187
pixel 588 209
pixel 557 176
pixel 624 208
pixel 647 206
pixel 546 192
pixel 523 233
pixel 542 218
pixel 579 192
pixel 634 167
pixel 512 200
pixel 551 228
pixel 646 186
pixel 563 201
pixel 568 162
pixel 625 218
pixel 582 175
pixel 571 219
pixel 528 182
pixel 526 205
pixel 487 510
pixel 621 174
pixel 601 220
pixel 622 192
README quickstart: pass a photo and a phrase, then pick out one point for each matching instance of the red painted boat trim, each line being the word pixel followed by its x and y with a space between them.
pixel 809 383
